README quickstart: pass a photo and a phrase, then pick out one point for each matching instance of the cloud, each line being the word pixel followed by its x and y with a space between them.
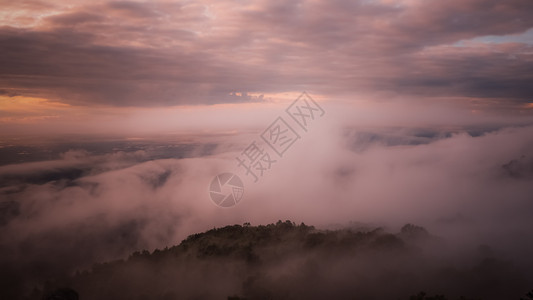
pixel 120 202
pixel 399 145
pixel 75 18
pixel 133 9
pixel 158 54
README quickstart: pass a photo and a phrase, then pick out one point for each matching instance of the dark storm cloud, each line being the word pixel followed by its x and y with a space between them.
pixel 151 54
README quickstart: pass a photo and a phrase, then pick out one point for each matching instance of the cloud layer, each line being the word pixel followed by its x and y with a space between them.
pixel 469 186
pixel 159 53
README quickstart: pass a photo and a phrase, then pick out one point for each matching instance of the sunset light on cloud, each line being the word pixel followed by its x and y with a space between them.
pixel 125 126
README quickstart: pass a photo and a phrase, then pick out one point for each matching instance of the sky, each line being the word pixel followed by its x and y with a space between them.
pixel 116 115
pixel 106 61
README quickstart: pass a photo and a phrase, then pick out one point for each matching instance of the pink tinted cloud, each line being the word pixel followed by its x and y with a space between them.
pixel 166 53
pixel 162 201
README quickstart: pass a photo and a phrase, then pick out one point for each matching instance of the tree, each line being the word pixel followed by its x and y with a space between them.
pixel 528 295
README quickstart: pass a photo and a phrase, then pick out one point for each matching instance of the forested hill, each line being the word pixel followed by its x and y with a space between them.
pixel 289 261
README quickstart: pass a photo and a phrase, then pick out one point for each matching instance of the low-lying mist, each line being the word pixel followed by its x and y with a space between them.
pixel 469 185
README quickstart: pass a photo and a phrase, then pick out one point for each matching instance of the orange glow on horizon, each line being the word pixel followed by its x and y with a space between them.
pixel 21 109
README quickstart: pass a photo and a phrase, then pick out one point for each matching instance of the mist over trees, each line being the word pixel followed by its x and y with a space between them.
pixel 289 261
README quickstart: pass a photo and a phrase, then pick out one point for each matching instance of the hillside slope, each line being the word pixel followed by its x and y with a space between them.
pixel 289 261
